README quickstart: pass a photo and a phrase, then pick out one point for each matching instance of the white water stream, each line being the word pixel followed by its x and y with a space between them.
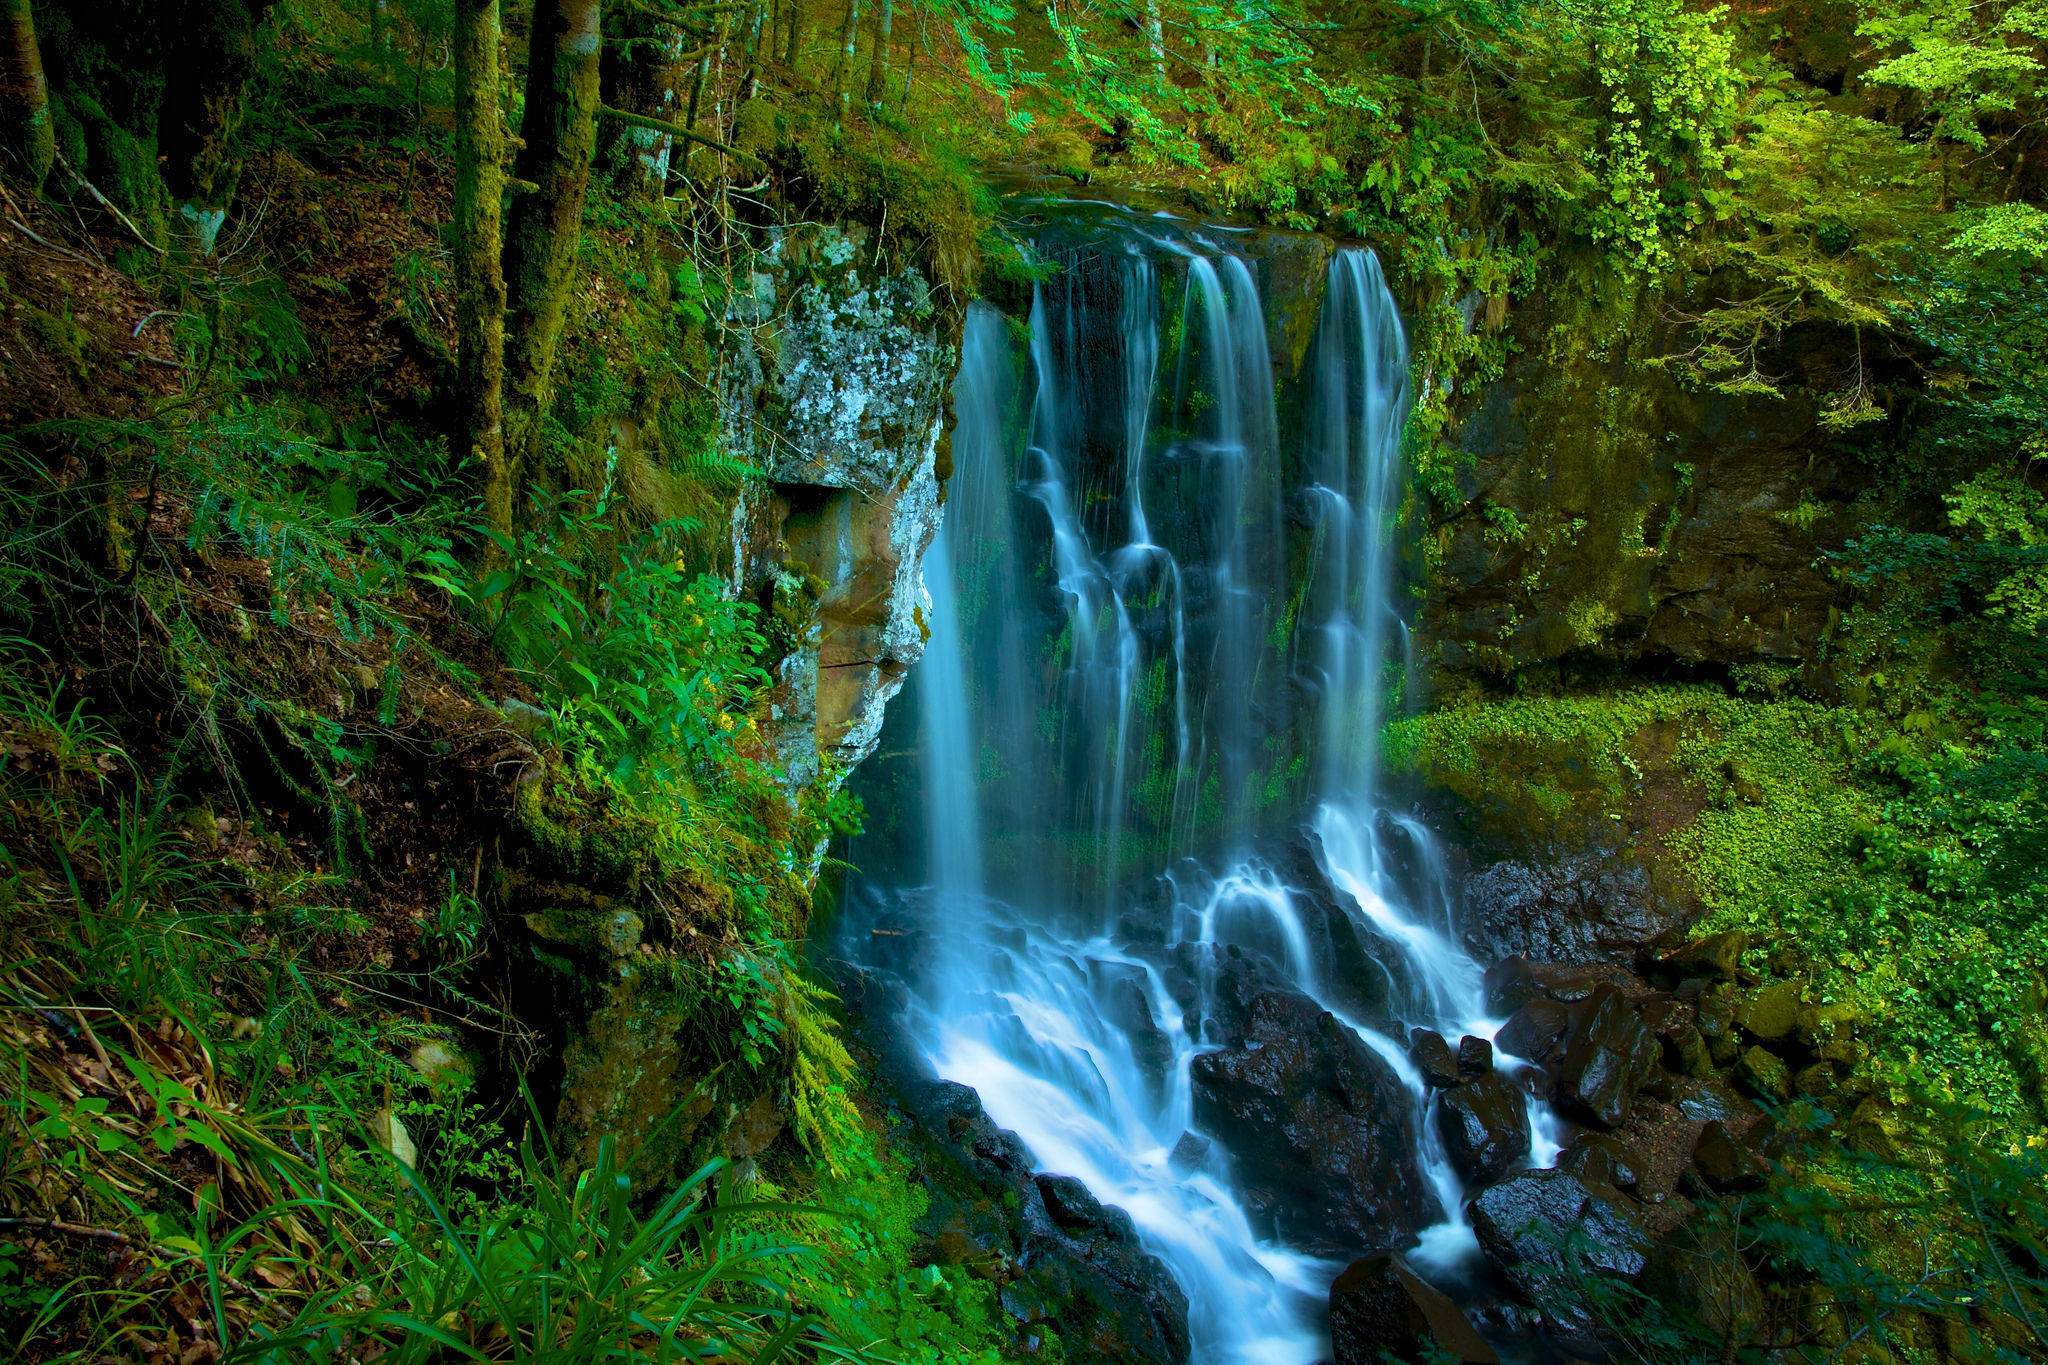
pixel 1150 727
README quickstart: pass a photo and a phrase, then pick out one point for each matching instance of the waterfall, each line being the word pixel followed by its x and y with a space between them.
pixel 1128 666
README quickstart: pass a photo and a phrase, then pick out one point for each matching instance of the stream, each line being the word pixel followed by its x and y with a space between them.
pixel 1164 633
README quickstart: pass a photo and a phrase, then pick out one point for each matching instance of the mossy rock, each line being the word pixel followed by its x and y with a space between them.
pixel 1775 1012
pixel 1765 1074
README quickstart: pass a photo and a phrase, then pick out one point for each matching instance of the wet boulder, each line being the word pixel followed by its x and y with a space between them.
pixel 1545 1233
pixel 1535 1031
pixel 1379 1307
pixel 1475 1056
pixel 1725 1164
pixel 1485 1128
pixel 1432 1057
pixel 1602 1158
pixel 1589 907
pixel 1322 1128
pixel 1608 1058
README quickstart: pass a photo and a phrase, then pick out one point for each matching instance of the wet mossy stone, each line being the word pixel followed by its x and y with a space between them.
pixel 1726 1165
pixel 1765 1074
pixel 1717 955
pixel 1773 1012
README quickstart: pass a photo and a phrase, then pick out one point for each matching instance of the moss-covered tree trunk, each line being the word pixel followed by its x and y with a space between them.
pixel 849 38
pixel 479 268
pixel 210 52
pixel 642 70
pixel 878 65
pixel 560 133
pixel 25 126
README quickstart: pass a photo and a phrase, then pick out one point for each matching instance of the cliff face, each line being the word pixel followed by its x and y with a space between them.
pixel 838 392
pixel 1612 512
pixel 836 388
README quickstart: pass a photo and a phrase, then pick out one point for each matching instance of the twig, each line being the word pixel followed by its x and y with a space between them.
pixel 70 1229
pixel 106 203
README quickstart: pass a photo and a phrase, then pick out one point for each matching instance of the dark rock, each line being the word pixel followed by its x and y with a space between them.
pixel 1485 1127
pixel 1188 1153
pixel 1726 1164
pixel 1379 1307
pixel 1475 1056
pixel 1697 1269
pixel 753 1128
pixel 1069 1201
pixel 1320 1123
pixel 1510 984
pixel 1586 908
pixel 1535 1031
pixel 1709 1099
pixel 1816 1081
pixel 1432 1057
pixel 1602 1158
pixel 1542 1230
pixel 1609 1056
pixel 1685 1051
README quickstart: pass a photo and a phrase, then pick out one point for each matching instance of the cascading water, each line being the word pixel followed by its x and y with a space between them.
pixel 1107 687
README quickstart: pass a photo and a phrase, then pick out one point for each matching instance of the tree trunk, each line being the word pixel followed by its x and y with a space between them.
pixel 640 77
pixel 849 34
pixel 1155 39
pixel 793 41
pixel 209 59
pixel 878 68
pixel 756 34
pixel 25 128
pixel 479 268
pixel 560 133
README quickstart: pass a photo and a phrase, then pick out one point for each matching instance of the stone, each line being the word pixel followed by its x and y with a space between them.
pixel 440 1064
pixel 1485 1128
pixel 1816 1081
pixel 1432 1057
pixel 1686 1051
pixel 622 930
pixel 1475 1056
pixel 1527 1226
pixel 1765 1074
pixel 1717 955
pixel 844 414
pixel 1726 1164
pixel 1608 1058
pixel 1581 908
pixel 1602 1158
pixel 1069 1201
pixel 1534 1031
pixel 1319 1122
pixel 1773 1012
pixel 1189 1152
pixel 1875 1129
pixel 1510 984
pixel 754 1129
pixel 1379 1307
